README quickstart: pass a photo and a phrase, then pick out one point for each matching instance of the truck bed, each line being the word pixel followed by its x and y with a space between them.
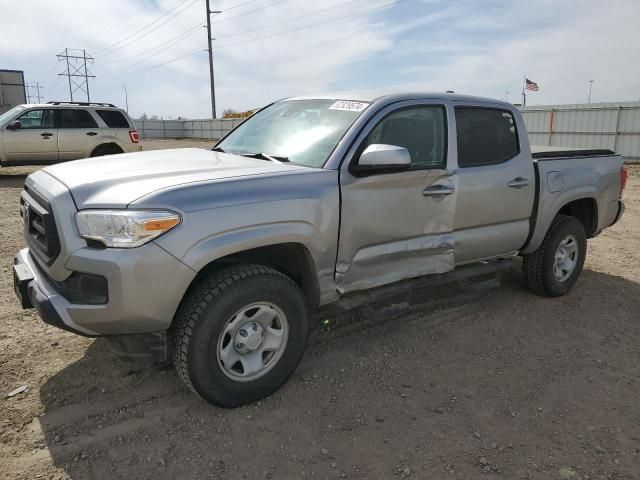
pixel 566 174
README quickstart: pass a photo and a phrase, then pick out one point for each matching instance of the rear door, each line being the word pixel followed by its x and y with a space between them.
pixel 78 133
pixel 36 141
pixel 496 183
pixel 118 126
pixel 398 225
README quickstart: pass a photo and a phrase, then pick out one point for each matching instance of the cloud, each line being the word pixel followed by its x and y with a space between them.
pixel 472 47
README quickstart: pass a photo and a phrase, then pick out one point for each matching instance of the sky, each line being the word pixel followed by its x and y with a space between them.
pixel 265 50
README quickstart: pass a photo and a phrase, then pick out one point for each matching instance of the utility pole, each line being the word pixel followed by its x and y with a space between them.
pixel 506 96
pixel 126 97
pixel 590 87
pixel 33 92
pixel 77 71
pixel 210 50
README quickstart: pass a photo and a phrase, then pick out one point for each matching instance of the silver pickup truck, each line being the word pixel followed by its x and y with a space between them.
pixel 221 256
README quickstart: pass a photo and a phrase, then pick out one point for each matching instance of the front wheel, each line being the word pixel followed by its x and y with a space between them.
pixel 240 334
pixel 554 268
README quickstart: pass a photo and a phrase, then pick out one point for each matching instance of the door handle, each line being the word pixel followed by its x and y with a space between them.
pixel 438 190
pixel 91 134
pixel 518 182
pixel 46 134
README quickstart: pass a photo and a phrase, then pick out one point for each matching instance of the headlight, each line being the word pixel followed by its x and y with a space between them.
pixel 125 228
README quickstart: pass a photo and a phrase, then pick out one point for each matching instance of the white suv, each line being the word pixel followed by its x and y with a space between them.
pixel 59 131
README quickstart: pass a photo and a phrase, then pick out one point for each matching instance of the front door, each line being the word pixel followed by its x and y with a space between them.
pixel 398 225
pixel 36 141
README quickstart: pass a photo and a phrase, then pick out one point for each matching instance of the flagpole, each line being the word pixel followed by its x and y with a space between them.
pixel 524 95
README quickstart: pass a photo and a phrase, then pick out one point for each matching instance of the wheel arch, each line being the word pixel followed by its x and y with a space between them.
pixel 583 206
pixel 290 258
pixel 112 145
pixel 585 209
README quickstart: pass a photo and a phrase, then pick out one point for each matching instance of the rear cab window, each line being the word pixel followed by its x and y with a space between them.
pixel 486 136
pixel 113 118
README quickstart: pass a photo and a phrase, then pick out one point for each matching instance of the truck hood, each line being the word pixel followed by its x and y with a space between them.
pixel 116 181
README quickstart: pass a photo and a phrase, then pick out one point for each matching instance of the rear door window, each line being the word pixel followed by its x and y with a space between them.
pixel 113 118
pixel 486 136
pixel 71 118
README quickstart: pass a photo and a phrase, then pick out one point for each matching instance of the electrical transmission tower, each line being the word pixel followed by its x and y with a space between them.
pixel 33 92
pixel 77 72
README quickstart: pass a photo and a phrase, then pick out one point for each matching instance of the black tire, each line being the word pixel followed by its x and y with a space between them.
pixel 103 150
pixel 537 267
pixel 203 316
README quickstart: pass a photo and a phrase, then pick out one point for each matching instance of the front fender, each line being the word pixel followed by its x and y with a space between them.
pixel 232 217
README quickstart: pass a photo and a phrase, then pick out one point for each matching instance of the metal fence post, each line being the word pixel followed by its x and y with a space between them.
pixel 617 134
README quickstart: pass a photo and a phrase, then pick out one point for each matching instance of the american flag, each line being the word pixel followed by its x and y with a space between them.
pixel 529 85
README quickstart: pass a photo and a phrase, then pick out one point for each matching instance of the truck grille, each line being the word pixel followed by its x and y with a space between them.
pixel 40 229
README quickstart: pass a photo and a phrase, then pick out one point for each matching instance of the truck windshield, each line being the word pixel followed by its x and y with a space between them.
pixel 6 116
pixel 303 131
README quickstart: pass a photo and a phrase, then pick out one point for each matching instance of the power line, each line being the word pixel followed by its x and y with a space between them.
pixel 312 25
pixel 194 51
pixel 288 20
pixel 153 67
pixel 50 75
pixel 177 39
pixel 114 47
pixel 249 12
pixel 128 20
pixel 240 5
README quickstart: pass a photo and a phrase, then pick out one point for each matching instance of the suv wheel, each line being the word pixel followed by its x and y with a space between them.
pixel 240 334
pixel 103 150
pixel 554 268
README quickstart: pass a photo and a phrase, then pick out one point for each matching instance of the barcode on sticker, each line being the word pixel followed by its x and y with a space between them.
pixel 348 106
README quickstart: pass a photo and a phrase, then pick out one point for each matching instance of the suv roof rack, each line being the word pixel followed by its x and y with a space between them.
pixel 84 104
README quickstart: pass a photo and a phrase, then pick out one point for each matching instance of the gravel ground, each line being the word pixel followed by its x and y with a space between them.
pixel 465 384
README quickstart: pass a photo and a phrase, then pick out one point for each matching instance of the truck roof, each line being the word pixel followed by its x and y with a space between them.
pixel 394 96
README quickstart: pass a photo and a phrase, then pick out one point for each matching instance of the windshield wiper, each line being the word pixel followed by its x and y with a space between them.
pixel 266 156
pixel 218 149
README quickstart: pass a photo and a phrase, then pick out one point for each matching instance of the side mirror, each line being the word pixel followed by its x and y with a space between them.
pixel 381 158
pixel 14 125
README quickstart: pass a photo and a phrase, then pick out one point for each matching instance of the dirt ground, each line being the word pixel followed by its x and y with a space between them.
pixel 464 385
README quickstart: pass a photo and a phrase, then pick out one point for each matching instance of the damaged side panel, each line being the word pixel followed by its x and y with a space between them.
pixel 391 231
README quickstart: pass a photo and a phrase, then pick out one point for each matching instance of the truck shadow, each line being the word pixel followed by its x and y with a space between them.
pixel 109 419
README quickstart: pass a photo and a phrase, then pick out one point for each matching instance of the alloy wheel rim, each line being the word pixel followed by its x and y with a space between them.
pixel 565 258
pixel 252 341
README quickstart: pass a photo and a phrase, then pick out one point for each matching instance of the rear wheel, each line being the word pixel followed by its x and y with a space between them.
pixel 240 334
pixel 554 268
pixel 103 150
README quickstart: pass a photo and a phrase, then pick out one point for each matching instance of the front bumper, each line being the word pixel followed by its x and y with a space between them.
pixel 146 285
pixel 36 295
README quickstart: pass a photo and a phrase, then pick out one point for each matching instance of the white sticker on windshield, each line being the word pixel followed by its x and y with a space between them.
pixel 349 106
